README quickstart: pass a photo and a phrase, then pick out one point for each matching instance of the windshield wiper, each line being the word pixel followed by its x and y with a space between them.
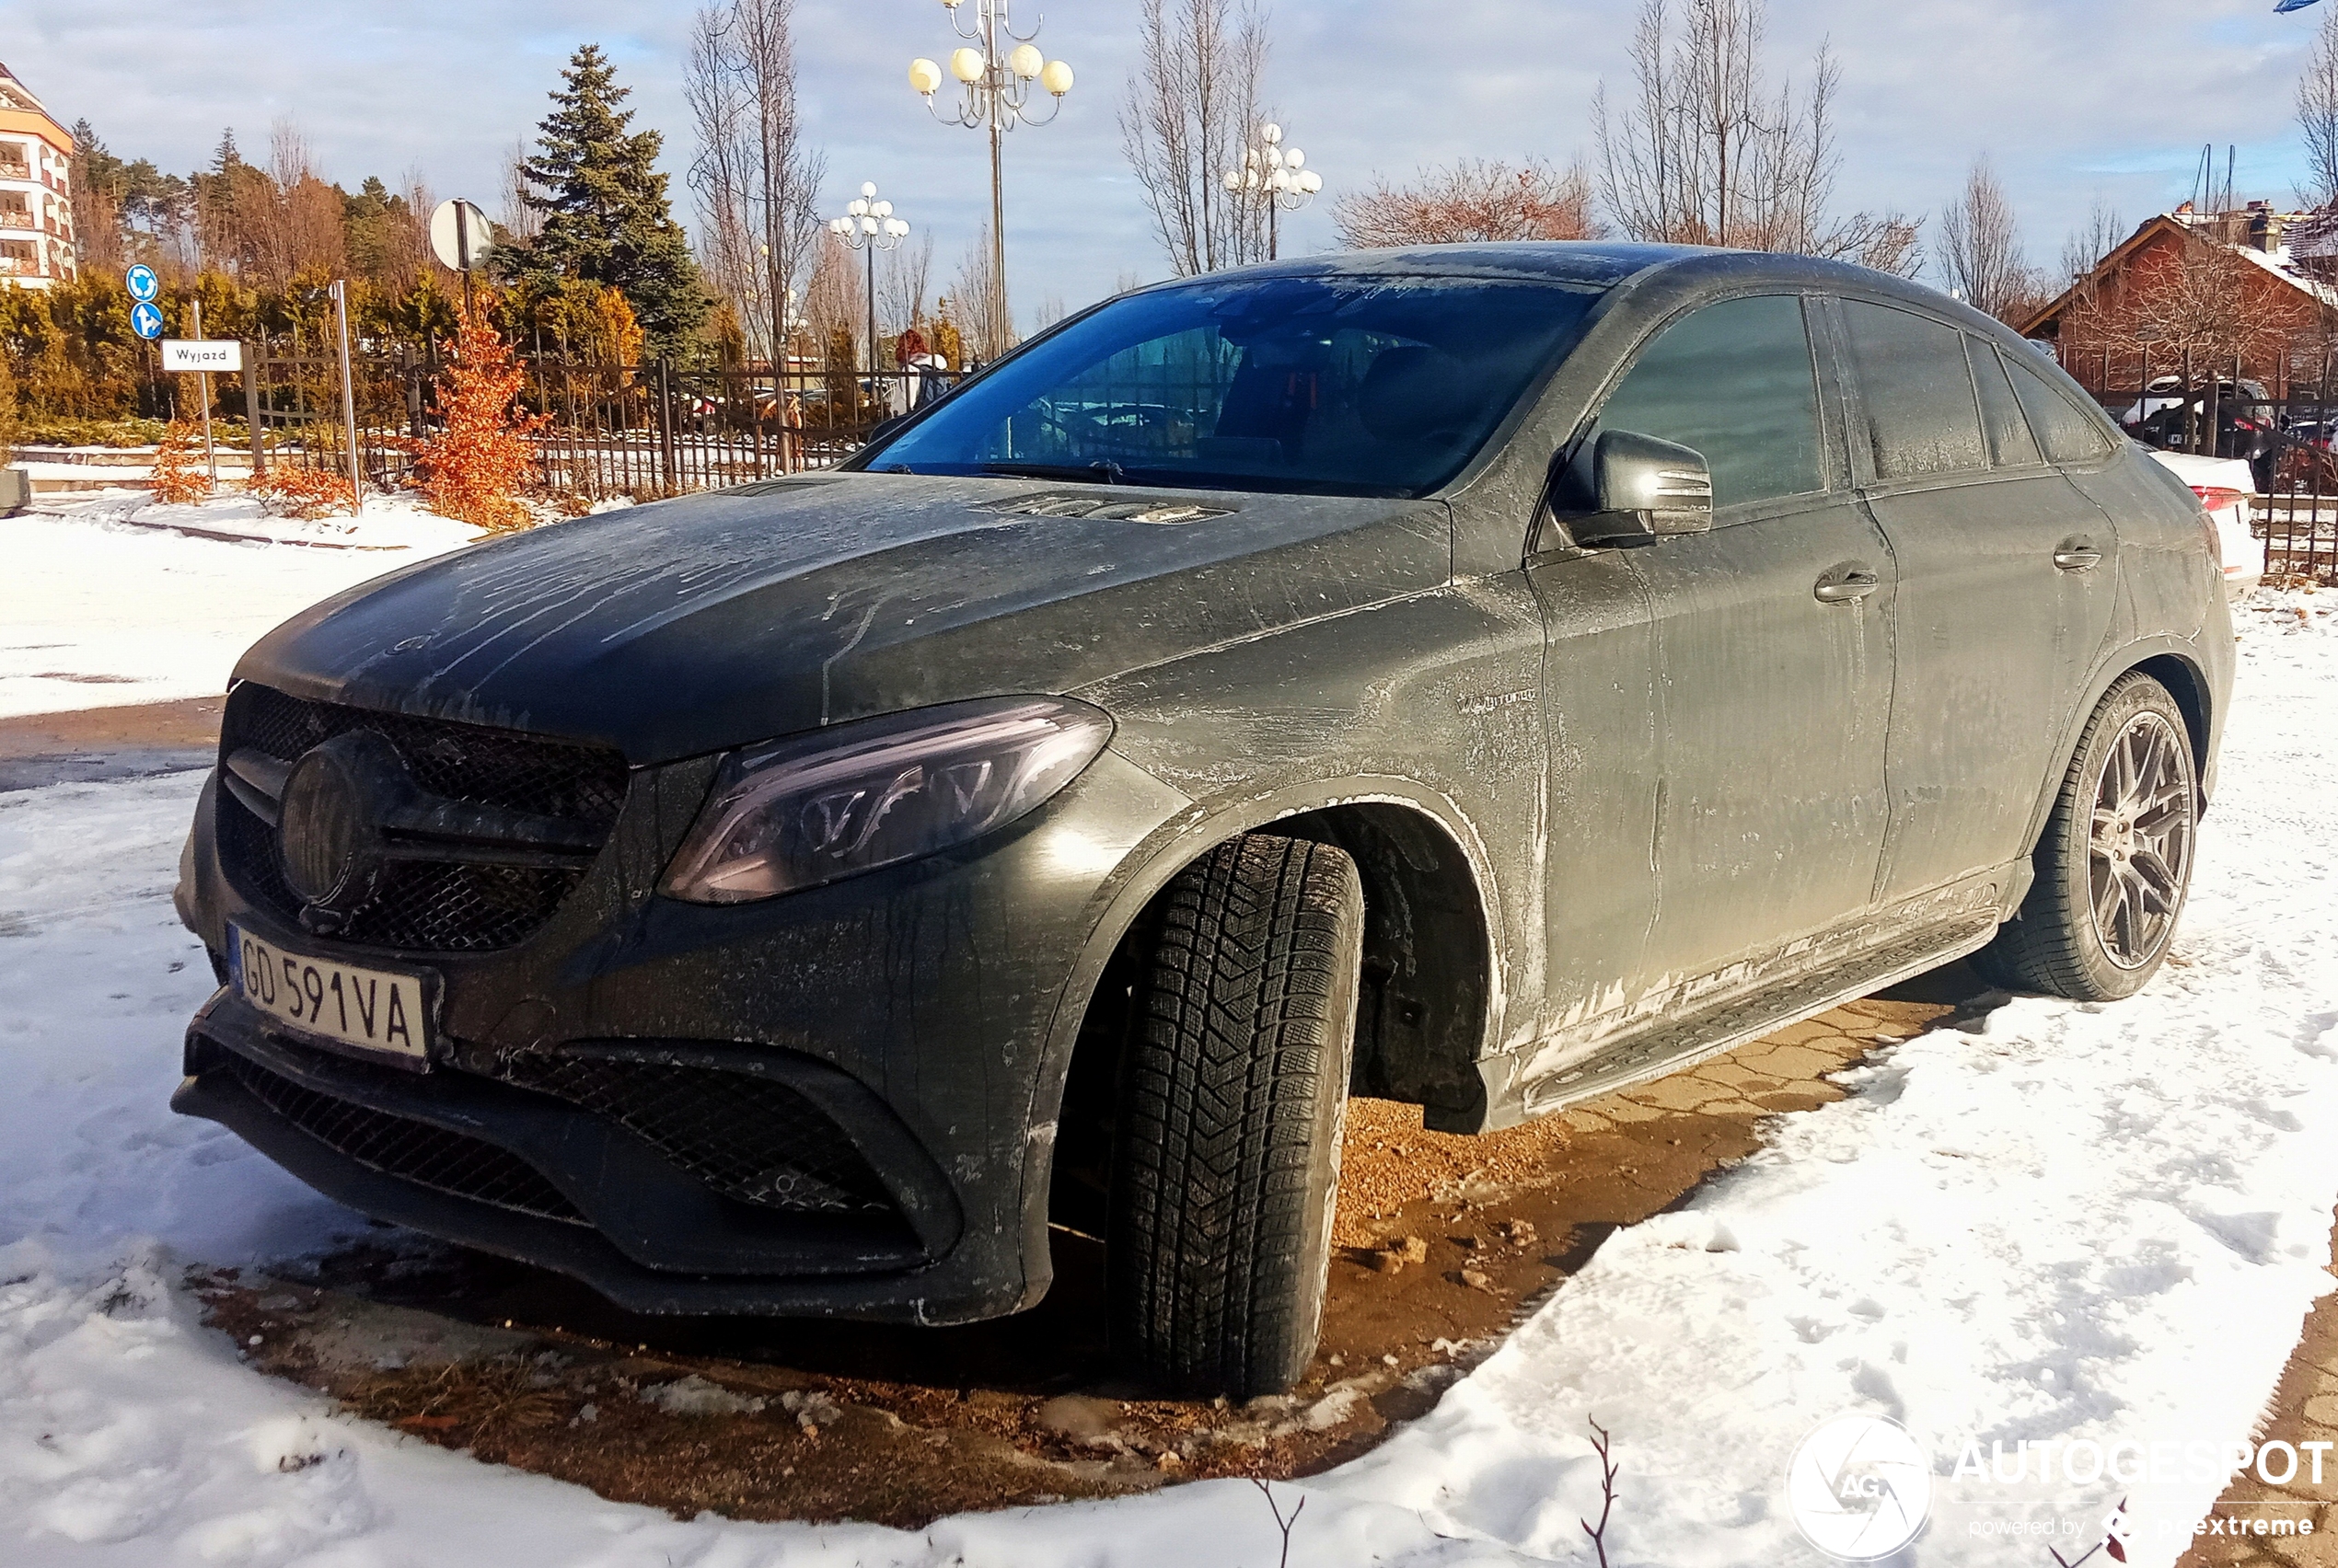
pixel 1103 471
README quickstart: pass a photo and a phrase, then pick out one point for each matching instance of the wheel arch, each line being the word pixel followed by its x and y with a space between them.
pixel 2172 662
pixel 1431 993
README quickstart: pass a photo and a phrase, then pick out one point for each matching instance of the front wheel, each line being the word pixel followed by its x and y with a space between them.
pixel 2115 862
pixel 1233 1095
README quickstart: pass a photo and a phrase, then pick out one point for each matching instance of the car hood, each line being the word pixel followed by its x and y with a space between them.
pixel 689 626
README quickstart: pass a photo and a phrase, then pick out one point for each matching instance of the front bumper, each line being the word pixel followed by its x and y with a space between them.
pixel 910 1009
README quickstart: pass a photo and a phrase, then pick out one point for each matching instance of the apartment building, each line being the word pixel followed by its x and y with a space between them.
pixel 36 199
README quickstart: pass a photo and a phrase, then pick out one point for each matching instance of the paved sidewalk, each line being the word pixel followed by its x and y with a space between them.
pixel 2305 1410
pixel 98 743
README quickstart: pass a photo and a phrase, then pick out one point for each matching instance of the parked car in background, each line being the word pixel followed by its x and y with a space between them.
pixel 1478 676
pixel 2225 488
pixel 2166 419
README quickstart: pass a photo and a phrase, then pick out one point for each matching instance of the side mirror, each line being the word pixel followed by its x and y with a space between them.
pixel 1648 489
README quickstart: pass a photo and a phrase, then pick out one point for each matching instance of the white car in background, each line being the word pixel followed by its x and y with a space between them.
pixel 2225 485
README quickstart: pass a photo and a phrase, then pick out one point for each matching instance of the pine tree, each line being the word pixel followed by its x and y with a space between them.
pixel 607 218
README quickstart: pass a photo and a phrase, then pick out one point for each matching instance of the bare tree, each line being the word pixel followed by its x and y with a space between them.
pixel 1183 121
pixel 1470 201
pixel 2318 117
pixel 903 278
pixel 2083 252
pixel 520 222
pixel 1702 153
pixel 974 299
pixel 834 303
pixel 758 183
pixel 294 221
pixel 1980 250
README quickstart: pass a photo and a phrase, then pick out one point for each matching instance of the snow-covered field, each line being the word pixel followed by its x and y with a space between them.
pixel 2075 1224
pixel 112 599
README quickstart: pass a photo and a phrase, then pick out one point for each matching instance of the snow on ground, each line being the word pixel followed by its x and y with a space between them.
pixel 2071 1223
pixel 112 599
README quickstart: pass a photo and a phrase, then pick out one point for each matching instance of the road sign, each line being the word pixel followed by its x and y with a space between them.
pixel 460 235
pixel 209 353
pixel 145 320
pixel 143 284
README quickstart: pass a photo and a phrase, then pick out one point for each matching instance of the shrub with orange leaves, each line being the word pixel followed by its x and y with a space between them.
pixel 292 490
pixel 179 476
pixel 473 469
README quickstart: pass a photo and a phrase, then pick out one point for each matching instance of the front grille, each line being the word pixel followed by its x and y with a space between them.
pixel 396 1146
pixel 426 905
pixel 746 1137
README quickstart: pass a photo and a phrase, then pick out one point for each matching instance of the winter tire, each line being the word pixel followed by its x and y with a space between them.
pixel 1233 1100
pixel 2115 861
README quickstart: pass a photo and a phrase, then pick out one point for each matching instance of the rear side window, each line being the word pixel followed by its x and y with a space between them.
pixel 1733 381
pixel 2067 436
pixel 1921 415
pixel 2011 446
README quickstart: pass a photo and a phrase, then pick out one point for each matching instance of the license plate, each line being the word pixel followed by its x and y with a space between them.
pixel 368 1010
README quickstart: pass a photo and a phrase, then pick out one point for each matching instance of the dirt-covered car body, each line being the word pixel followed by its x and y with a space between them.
pixel 1613 808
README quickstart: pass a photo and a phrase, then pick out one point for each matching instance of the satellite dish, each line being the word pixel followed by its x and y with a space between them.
pixel 460 235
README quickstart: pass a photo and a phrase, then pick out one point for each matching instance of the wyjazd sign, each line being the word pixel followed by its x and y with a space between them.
pixel 181 353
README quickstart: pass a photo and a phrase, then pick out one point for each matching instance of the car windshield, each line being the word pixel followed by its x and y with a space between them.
pixel 1342 385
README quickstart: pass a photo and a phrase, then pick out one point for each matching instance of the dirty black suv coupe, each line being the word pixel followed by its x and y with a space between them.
pixel 1476 676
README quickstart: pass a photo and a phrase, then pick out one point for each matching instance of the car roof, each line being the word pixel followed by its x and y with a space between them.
pixel 1571 261
pixel 1603 264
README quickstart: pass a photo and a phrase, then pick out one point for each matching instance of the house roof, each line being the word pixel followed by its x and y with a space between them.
pixel 14 94
pixel 2280 263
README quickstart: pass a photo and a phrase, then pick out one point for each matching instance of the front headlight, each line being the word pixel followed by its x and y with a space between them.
pixel 810 810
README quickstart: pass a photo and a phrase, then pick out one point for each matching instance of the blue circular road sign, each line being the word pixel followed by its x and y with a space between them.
pixel 144 285
pixel 145 320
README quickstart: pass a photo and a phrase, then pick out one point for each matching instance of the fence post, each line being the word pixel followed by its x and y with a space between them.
pixel 667 478
pixel 252 355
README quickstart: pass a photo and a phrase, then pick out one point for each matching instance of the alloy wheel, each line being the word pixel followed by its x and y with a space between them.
pixel 2139 850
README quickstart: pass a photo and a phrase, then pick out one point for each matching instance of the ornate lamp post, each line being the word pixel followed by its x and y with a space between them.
pixel 996 96
pixel 870 227
pixel 1278 178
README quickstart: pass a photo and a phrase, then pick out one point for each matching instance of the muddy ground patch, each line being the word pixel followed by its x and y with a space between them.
pixel 1444 1244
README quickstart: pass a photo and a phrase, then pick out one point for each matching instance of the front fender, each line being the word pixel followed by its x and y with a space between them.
pixel 1150 865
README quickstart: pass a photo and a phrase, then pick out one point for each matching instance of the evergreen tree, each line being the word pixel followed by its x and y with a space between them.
pixel 607 218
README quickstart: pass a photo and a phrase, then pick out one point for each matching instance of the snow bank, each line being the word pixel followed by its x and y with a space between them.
pixel 112 600
pixel 2074 1223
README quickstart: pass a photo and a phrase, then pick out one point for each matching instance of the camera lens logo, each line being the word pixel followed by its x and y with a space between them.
pixel 1859 1487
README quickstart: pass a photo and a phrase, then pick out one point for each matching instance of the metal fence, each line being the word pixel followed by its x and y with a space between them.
pixel 602 431
pixel 2284 439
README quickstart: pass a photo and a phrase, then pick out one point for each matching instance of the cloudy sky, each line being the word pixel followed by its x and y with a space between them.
pixel 2071 99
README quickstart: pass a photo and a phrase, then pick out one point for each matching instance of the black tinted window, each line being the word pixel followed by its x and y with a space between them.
pixel 1340 386
pixel 1919 393
pixel 2067 436
pixel 2011 446
pixel 1734 382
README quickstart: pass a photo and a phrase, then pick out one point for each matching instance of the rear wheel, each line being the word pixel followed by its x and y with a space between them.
pixel 1233 1099
pixel 2115 862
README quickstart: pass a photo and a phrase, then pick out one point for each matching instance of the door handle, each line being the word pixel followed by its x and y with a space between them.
pixel 1845 584
pixel 2077 557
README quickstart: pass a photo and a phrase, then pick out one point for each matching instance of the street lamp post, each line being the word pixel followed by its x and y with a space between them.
pixel 870 227
pixel 1275 177
pixel 996 96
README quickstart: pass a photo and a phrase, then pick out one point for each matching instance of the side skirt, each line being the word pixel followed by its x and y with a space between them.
pixel 1684 1025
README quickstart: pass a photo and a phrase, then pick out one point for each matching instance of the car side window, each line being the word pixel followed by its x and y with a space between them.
pixel 1921 415
pixel 1733 381
pixel 2010 443
pixel 2067 436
